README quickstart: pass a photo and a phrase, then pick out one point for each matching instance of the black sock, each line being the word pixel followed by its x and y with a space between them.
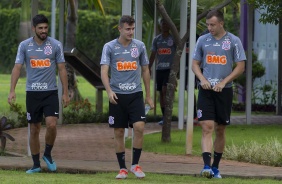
pixel 216 160
pixel 207 158
pixel 136 155
pixel 48 149
pixel 36 162
pixel 47 152
pixel 163 110
pixel 121 160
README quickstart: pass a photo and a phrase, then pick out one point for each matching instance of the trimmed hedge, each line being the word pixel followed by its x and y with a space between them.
pixel 9 26
pixel 93 31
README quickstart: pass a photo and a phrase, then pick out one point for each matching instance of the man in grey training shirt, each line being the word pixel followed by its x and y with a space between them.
pixel 41 54
pixel 216 52
pixel 164 48
pixel 127 60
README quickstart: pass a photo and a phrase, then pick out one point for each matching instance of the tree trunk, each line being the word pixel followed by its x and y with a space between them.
pixel 170 94
pixel 70 43
pixel 235 19
pixel 25 28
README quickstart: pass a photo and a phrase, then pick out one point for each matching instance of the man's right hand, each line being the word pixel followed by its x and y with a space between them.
pixel 206 84
pixel 12 98
pixel 112 97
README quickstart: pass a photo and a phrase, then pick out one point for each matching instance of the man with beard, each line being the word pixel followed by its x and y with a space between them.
pixel 41 54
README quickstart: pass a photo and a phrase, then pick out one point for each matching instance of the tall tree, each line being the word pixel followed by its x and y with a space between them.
pixel 71 24
pixel 72 19
pixel 25 24
pixel 180 43
pixel 271 10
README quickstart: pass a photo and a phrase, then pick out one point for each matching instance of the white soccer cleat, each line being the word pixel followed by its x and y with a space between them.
pixel 136 169
pixel 122 174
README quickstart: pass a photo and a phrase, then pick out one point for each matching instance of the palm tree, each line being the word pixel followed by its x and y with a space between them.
pixel 72 18
pixel 25 26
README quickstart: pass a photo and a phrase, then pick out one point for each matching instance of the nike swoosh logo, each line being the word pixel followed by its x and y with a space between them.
pixel 56 113
pixel 142 117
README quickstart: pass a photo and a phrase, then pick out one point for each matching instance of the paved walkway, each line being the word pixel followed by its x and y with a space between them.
pixel 88 148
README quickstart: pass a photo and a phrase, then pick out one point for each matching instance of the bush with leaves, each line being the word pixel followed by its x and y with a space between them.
pixel 254 152
pixel 81 112
pixel 5 125
pixel 20 121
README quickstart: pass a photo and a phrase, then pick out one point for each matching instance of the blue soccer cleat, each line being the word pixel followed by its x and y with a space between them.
pixel 51 166
pixel 216 173
pixel 33 170
pixel 207 172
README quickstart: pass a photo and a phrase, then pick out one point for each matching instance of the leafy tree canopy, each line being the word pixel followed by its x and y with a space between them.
pixel 271 10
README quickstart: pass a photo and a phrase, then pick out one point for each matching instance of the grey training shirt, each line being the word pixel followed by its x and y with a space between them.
pixel 165 49
pixel 217 56
pixel 125 65
pixel 41 61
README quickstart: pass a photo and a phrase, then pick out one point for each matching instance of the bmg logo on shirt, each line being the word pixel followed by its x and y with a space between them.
pixel 126 65
pixel 164 51
pixel 40 63
pixel 216 59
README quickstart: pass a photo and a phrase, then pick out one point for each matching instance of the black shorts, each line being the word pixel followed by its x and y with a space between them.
pixel 41 102
pixel 129 109
pixel 162 78
pixel 215 105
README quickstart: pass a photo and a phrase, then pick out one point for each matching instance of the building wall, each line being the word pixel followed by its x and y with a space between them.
pixel 265 45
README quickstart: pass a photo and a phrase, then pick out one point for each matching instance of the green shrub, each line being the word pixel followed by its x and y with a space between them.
pixel 93 31
pixel 253 152
pixel 20 116
pixel 81 112
pixel 9 26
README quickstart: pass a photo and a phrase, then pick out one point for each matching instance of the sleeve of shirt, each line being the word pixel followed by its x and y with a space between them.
pixel 20 58
pixel 60 54
pixel 143 56
pixel 106 57
pixel 239 52
pixel 198 53
pixel 154 45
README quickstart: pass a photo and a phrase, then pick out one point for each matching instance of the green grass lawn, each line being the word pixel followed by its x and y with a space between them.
pixel 16 177
pixel 4 92
pixel 235 134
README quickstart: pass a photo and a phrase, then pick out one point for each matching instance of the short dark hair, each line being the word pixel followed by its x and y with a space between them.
pixel 126 19
pixel 38 19
pixel 217 13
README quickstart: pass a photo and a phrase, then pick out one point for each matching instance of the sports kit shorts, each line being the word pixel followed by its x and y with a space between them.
pixel 41 102
pixel 162 77
pixel 215 106
pixel 128 110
